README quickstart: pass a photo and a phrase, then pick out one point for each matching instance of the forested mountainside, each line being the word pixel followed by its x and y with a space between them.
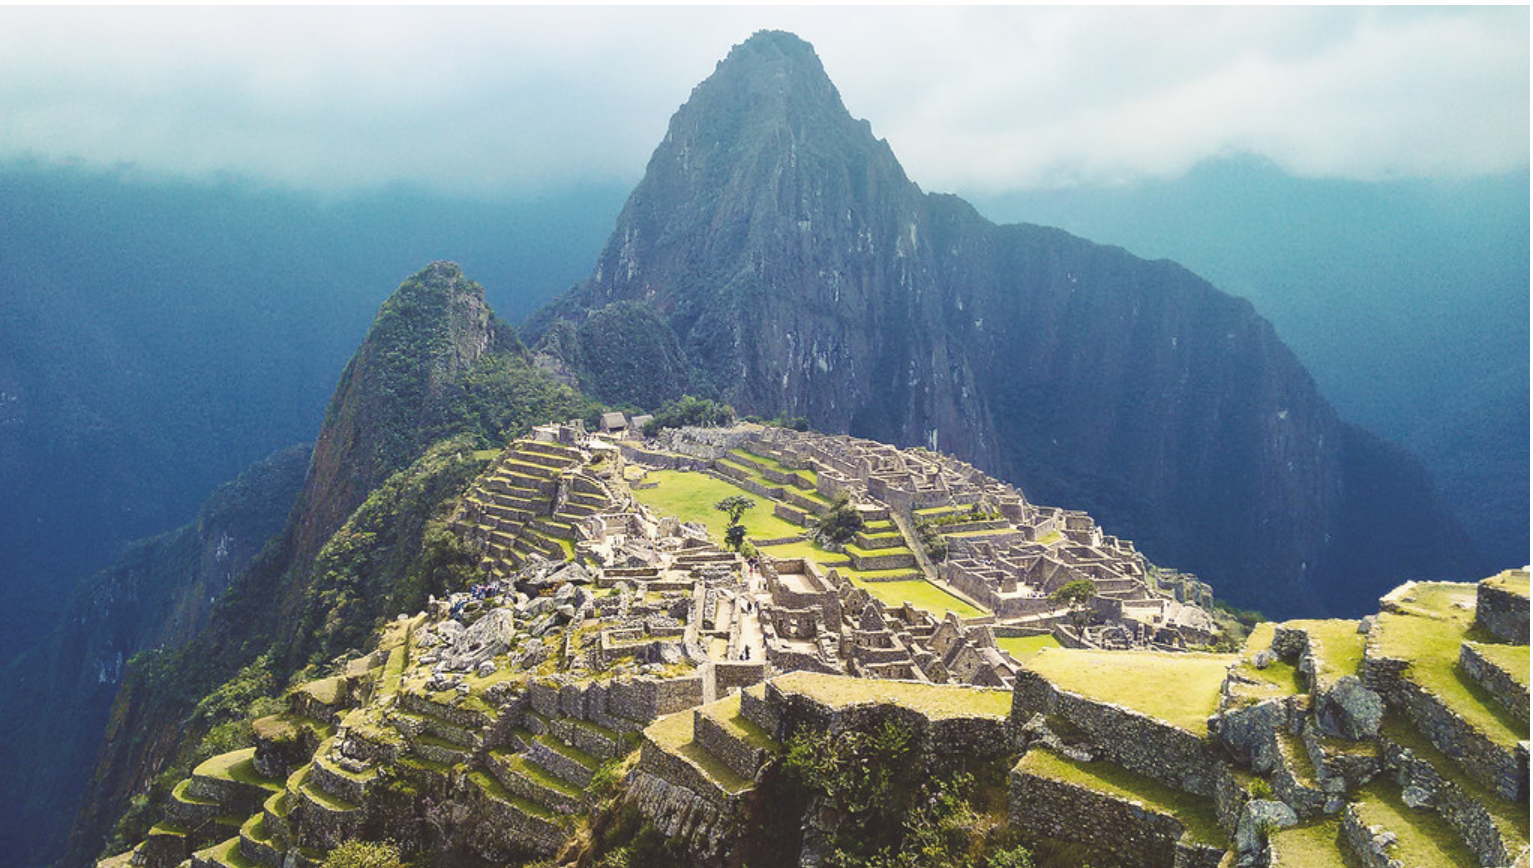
pixel 438 379
pixel 788 266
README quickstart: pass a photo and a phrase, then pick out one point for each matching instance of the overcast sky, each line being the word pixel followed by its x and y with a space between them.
pixel 507 101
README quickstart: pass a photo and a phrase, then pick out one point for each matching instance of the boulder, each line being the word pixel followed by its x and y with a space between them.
pixel 490 636
pixel 1349 710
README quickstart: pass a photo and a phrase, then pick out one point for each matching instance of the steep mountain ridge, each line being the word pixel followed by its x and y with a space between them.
pixel 438 378
pixel 801 272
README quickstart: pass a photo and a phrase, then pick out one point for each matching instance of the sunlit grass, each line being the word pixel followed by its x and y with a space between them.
pixel 936 701
pixel 690 496
pixel 1180 689
pixel 1195 813
pixel 1022 648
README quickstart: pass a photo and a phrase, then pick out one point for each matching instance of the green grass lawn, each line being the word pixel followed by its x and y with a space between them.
pixel 1022 648
pixel 807 549
pixel 1180 689
pixel 918 592
pixel 1339 648
pixel 1315 845
pixel 1195 813
pixel 690 496
pixel 1274 680
pixel 1425 838
pixel 933 700
pixel 1429 638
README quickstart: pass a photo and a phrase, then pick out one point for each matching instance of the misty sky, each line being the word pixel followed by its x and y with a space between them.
pixel 512 101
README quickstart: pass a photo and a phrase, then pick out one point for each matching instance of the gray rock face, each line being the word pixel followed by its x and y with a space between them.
pixel 1349 710
pixel 490 636
pixel 1257 820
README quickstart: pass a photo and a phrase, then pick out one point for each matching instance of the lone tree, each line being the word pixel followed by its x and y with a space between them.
pixel 839 524
pixel 734 506
pixel 1077 596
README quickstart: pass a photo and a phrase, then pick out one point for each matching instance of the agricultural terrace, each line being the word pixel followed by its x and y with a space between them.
pixel 1431 622
pixel 1195 813
pixel 1273 680
pixel 936 701
pixel 1179 689
pixel 1337 645
pixel 1424 838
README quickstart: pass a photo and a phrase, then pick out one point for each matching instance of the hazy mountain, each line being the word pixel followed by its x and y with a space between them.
pixel 157 337
pixel 799 271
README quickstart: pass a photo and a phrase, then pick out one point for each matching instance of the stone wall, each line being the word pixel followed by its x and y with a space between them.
pixel 1364 847
pixel 1502 687
pixel 1141 744
pixel 1502 612
pixel 1498 768
pixel 1138 836
pixel 1423 785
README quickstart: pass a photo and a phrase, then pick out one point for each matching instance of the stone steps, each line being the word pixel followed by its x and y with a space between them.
pixel 326 820
pixel 188 810
pixel 569 764
pixel 276 810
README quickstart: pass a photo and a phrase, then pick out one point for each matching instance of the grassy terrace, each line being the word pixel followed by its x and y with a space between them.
pixel 1276 679
pixel 1316 845
pixel 690 497
pixel 1180 689
pixel 933 700
pixel 1023 648
pixel 238 766
pixel 1428 636
pixel 1511 819
pixel 1425 838
pixel 1516 581
pixel 1513 659
pixel 228 853
pixel 1195 814
pixel 494 789
pixel 918 592
pixel 673 734
pixel 727 713
pixel 1340 648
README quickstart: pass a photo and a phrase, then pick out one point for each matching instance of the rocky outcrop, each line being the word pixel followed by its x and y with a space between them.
pixel 800 272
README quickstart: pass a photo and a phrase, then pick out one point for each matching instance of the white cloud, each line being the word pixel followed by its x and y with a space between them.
pixel 985 99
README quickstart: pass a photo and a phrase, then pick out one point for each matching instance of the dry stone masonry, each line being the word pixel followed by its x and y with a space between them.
pixel 608 650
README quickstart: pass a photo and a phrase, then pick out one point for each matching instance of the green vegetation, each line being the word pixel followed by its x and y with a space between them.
pixel 691 497
pixel 1076 596
pixel 918 592
pixel 839 524
pixel 1022 648
pixel 936 701
pixel 893 814
pixel 363 854
pixel 734 506
pixel 1275 679
pixel 1195 813
pixel 1337 646
pixel 238 766
pixel 1180 689
pixel 1427 635
pixel 1510 818
pixel 1511 659
pixel 1516 581
pixel 1425 840
pixel 674 734
pixel 1313 845
pixel 688 410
